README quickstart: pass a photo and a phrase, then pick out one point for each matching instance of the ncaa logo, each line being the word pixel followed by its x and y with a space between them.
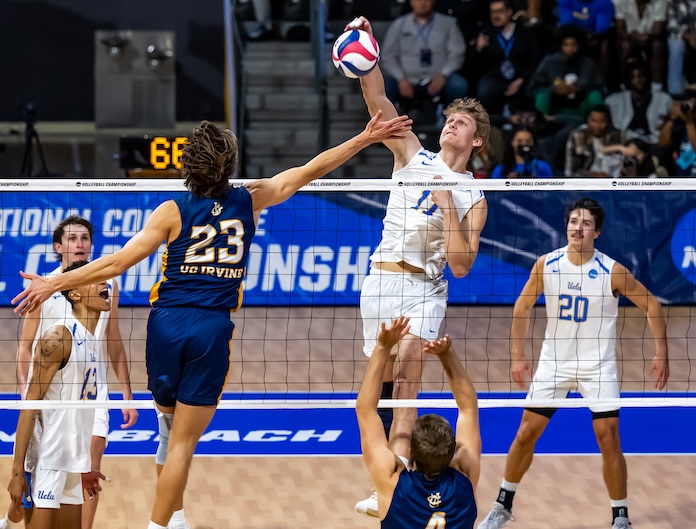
pixel 684 246
pixel 593 274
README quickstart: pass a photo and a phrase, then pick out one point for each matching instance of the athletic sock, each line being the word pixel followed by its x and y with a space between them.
pixel 619 508
pixel 153 525
pixel 386 414
pixel 507 494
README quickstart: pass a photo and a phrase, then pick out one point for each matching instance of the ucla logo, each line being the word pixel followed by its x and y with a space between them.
pixel 43 495
pixel 217 209
pixel 593 274
pixel 434 500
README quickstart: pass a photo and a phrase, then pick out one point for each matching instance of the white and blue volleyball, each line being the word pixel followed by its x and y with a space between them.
pixel 355 53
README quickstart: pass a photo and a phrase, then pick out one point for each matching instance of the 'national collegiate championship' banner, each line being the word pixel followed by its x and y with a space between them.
pixel 314 249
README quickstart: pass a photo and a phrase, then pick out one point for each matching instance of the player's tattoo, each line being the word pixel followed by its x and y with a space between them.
pixel 51 341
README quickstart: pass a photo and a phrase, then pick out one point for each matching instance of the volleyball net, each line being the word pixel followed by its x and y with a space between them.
pixel 298 340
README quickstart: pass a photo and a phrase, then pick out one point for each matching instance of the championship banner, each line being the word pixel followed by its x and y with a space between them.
pixel 314 249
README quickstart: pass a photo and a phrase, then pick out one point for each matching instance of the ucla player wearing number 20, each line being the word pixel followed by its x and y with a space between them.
pixel 56 453
pixel 208 232
pixel 424 230
pixel 581 286
pixel 438 490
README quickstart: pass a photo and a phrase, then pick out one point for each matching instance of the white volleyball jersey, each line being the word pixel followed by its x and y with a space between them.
pixel 413 229
pixel 66 434
pixel 581 311
pixel 57 308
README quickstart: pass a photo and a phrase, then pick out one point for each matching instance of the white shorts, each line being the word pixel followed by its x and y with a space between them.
pixel 388 295
pixel 50 488
pixel 552 382
pixel 101 423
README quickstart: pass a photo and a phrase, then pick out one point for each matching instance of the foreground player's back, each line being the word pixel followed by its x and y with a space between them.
pixel 447 500
pixel 205 265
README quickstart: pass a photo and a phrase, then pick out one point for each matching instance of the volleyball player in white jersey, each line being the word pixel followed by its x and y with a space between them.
pixel 72 242
pixel 423 231
pixel 64 367
pixel 581 286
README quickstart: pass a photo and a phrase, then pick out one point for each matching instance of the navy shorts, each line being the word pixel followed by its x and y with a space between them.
pixel 187 355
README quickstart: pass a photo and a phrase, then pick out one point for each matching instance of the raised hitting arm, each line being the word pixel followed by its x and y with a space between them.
pixel 625 283
pixel 521 318
pixel 467 458
pixel 51 352
pixel 271 191
pixel 376 99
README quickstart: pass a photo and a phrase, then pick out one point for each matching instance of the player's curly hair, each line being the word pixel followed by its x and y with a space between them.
pixel 432 444
pixel 74 266
pixel 208 160
pixel 591 205
pixel 474 108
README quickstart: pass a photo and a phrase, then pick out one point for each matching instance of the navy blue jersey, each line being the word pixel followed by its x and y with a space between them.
pixel 447 501
pixel 205 265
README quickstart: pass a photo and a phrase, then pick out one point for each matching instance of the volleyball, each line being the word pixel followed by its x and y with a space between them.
pixel 355 53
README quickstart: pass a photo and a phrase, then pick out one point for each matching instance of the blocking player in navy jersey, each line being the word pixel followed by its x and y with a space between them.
pixel 208 232
pixel 581 286
pixel 49 470
pixel 424 231
pixel 439 488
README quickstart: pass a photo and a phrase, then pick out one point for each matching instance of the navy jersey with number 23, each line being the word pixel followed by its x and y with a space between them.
pixel 205 265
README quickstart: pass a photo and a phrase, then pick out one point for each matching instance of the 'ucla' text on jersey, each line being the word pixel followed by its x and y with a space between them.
pixel 204 267
pixel 446 501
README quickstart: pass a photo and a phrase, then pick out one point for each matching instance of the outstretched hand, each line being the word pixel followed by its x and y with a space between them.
pixel 359 23
pixel 390 336
pixel 378 131
pixel 32 296
pixel 438 346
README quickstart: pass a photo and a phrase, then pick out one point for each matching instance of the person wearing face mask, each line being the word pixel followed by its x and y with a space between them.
pixel 567 83
pixel 521 159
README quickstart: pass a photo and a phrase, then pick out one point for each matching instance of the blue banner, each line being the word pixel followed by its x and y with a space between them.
pixel 668 430
pixel 314 249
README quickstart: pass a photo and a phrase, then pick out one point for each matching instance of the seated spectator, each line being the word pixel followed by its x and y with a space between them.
pixel 678 138
pixel 638 112
pixel 636 159
pixel 262 11
pixel 596 18
pixel 640 29
pixel 506 54
pixel 681 25
pixel 420 56
pixel 567 82
pixel 585 155
pixel 521 159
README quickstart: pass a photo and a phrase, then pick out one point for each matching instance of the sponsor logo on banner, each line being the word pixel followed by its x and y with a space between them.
pixel 684 246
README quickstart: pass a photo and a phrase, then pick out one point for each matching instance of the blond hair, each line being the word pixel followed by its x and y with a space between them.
pixel 474 108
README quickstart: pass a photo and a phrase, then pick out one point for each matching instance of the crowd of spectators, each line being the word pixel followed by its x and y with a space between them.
pixel 575 88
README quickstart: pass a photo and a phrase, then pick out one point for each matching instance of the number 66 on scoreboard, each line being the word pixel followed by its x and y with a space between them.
pixel 152 152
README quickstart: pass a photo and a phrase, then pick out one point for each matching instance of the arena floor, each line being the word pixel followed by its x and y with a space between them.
pixel 285 349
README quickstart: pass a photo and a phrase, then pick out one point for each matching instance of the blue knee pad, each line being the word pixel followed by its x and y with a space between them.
pixel 164 422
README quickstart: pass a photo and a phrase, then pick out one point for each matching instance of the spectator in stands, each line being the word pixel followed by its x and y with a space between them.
pixel 262 11
pixel 521 159
pixel 640 30
pixel 420 56
pixel 585 156
pixel 639 112
pixel 596 18
pixel 678 137
pixel 567 82
pixel 636 159
pixel 506 54
pixel 681 25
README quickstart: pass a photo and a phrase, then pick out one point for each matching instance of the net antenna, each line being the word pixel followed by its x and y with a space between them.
pixel 31 137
